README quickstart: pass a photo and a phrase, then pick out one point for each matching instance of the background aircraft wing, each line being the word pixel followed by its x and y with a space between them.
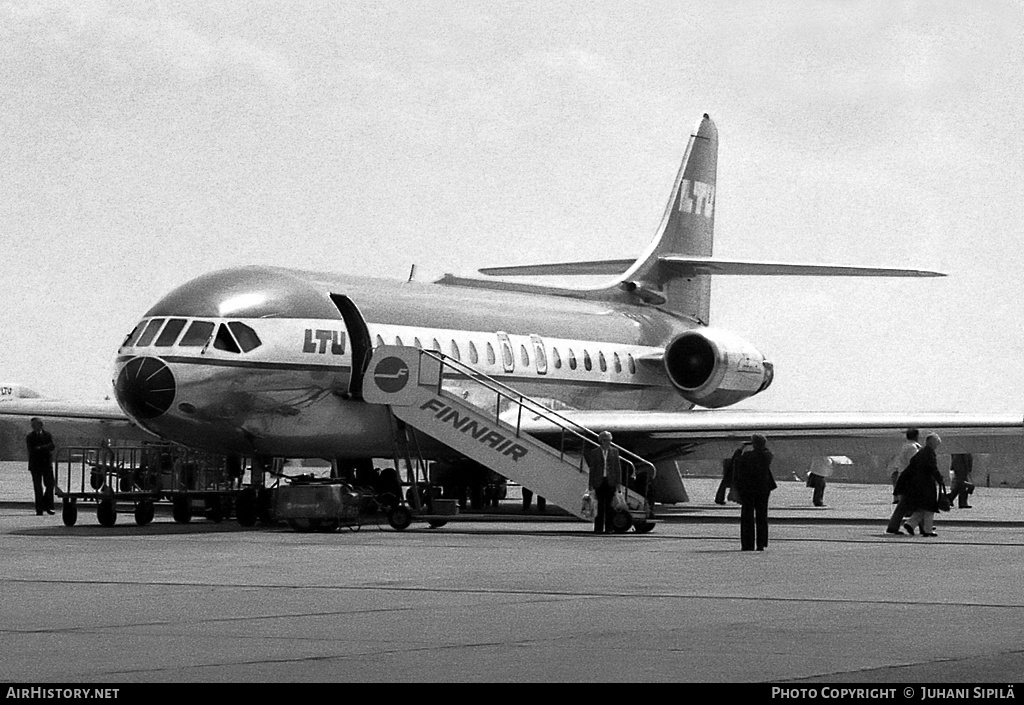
pixel 701 435
pixel 70 423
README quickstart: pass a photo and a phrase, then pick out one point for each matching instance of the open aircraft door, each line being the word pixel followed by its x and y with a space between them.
pixel 359 336
pixel 540 354
pixel 508 358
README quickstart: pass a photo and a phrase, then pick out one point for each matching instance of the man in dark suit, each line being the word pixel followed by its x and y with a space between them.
pixel 752 477
pixel 961 487
pixel 40 464
pixel 605 477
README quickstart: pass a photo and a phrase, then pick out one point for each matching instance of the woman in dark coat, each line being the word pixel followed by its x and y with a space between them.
pixel 918 486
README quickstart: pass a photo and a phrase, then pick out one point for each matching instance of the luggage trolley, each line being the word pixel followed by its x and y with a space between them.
pixel 109 475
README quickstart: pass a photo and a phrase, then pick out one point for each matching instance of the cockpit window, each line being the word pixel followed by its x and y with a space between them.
pixel 130 338
pixel 224 341
pixel 197 335
pixel 151 330
pixel 170 332
pixel 245 336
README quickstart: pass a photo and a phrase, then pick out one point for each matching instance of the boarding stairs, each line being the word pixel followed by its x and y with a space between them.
pixel 451 402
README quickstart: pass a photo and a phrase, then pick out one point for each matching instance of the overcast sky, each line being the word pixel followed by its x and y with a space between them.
pixel 143 144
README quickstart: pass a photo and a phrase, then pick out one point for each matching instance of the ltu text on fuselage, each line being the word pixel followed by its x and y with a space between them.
pixel 269 361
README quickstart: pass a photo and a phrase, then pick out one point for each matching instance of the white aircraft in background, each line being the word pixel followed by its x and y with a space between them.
pixel 271 362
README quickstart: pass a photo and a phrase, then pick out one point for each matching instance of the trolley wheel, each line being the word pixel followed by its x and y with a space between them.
pixel 437 523
pixel 621 521
pixel 215 509
pixel 400 517
pixel 245 507
pixel 144 511
pixel 181 509
pixel 69 511
pixel 106 512
pixel 644 527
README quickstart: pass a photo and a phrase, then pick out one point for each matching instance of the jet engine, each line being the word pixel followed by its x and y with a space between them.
pixel 714 368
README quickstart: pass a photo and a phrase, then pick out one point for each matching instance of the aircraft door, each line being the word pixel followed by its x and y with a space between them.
pixel 540 354
pixel 508 359
pixel 359 335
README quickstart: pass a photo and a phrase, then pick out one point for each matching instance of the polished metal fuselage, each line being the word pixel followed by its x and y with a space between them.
pixel 292 395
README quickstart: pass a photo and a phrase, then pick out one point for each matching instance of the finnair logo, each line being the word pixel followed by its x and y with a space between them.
pixel 697 197
pixel 482 433
pixel 317 341
pixel 391 375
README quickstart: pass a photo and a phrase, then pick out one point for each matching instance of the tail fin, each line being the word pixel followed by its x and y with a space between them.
pixel 687 228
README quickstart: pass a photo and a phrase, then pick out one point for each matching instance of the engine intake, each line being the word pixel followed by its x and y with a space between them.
pixel 713 368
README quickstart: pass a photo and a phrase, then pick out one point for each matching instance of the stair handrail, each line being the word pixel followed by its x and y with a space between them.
pixel 567 425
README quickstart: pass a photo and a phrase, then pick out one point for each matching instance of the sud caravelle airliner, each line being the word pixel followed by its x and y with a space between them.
pixel 268 361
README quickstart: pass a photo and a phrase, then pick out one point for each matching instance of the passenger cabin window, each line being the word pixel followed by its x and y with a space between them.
pixel 197 335
pixel 245 336
pixel 416 341
pixel 398 341
pixel 557 358
pixel 170 332
pixel 586 361
pixel 632 364
pixel 506 356
pixel 617 362
pixel 524 355
pixel 147 335
pixel 224 340
pixel 380 341
pixel 572 359
pixel 474 357
pixel 601 361
pixel 436 346
pixel 455 351
pixel 490 354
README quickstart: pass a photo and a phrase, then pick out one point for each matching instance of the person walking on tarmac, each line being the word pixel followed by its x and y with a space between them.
pixel 918 485
pixel 605 478
pixel 752 477
pixel 899 463
pixel 961 486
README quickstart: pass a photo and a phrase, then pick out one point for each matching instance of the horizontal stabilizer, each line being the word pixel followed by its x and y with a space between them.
pixel 689 265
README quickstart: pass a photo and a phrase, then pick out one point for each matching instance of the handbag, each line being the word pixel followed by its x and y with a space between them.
pixel 944 504
pixel 589 507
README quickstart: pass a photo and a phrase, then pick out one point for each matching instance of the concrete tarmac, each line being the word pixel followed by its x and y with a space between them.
pixel 834 599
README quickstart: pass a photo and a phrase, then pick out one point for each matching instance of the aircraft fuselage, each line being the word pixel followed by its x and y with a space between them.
pixel 260 359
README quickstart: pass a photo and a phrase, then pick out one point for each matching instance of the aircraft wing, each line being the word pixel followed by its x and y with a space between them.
pixel 70 423
pixel 701 435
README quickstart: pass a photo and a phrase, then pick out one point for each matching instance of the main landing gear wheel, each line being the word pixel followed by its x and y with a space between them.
pixel 69 511
pixel 621 521
pixel 181 509
pixel 144 511
pixel 400 517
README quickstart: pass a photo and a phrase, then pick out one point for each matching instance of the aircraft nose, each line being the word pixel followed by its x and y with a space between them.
pixel 145 387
